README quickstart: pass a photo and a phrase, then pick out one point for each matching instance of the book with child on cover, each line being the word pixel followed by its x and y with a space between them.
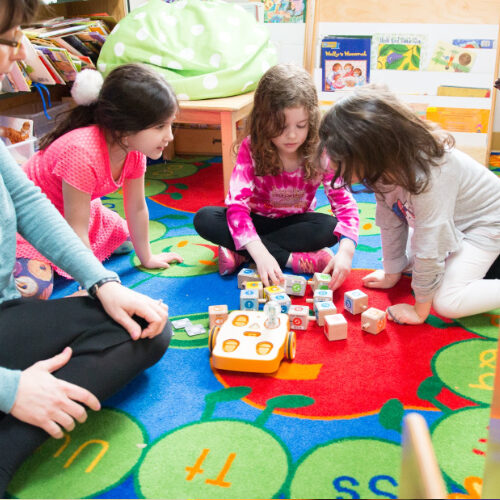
pixel 345 62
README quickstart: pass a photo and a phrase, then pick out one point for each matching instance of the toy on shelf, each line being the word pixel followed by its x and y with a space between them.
pixel 373 320
pixel 217 315
pixel 295 285
pixel 247 274
pixel 252 341
pixel 299 317
pixel 320 281
pixel 355 301
pixel 335 327
pixel 322 309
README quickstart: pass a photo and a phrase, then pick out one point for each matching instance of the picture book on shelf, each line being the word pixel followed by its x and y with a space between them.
pixel 345 62
pixel 284 11
pixel 398 51
pixel 451 58
pixel 476 43
pixel 460 119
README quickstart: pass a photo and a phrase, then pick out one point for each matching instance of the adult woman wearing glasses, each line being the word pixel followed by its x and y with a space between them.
pixel 59 357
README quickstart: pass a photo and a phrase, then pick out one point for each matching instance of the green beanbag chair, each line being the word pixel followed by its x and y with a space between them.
pixel 204 48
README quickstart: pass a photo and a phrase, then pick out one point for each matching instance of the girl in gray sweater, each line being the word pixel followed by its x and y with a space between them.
pixel 437 208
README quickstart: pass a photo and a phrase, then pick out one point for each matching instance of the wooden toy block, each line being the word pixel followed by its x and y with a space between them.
pixel 283 300
pixel 322 309
pixel 335 327
pixel 272 290
pixel 321 296
pixel 355 301
pixel 217 315
pixel 295 285
pixel 246 274
pixel 320 281
pixel 257 285
pixel 299 317
pixel 249 300
pixel 373 320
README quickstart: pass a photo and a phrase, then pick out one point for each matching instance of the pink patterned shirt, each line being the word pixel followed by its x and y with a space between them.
pixel 80 158
pixel 281 195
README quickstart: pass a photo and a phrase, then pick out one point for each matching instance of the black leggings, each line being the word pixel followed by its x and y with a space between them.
pixel 104 358
pixel 305 232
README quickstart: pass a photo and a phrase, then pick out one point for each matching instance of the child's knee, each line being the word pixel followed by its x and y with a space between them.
pixel 34 278
pixel 447 305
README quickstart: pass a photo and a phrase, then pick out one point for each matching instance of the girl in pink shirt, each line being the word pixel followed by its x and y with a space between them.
pixel 270 213
pixel 100 147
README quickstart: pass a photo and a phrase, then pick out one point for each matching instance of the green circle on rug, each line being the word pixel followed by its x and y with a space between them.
pixel 183 340
pixel 94 457
pixel 349 468
pixel 456 439
pixel 214 459
pixel 484 324
pixel 170 170
pixel 476 360
pixel 198 254
pixel 367 225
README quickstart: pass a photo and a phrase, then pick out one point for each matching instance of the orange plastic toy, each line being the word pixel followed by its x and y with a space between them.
pixel 252 341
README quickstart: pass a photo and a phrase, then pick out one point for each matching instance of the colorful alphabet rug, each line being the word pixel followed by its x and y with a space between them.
pixel 325 425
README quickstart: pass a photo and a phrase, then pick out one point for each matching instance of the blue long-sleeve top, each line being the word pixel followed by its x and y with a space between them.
pixel 25 209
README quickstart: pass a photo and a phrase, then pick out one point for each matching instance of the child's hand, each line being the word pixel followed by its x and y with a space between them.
pixel 380 279
pixel 405 314
pixel 162 260
pixel 339 266
pixel 269 270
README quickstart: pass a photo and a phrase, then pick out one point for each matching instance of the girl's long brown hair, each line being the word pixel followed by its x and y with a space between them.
pixel 282 86
pixel 374 137
pixel 16 12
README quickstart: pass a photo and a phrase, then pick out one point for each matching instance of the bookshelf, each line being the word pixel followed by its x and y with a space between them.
pixel 436 20
pixel 66 8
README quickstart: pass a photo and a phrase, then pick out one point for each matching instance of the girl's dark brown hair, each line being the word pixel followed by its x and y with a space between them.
pixel 282 86
pixel 374 137
pixel 133 97
pixel 17 12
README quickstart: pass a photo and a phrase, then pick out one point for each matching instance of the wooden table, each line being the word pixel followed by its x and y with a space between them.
pixel 226 112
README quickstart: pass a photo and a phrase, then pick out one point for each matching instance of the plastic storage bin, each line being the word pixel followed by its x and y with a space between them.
pixel 23 151
pixel 34 111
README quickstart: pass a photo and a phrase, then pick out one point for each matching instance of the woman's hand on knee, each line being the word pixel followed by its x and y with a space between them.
pixel 380 279
pixel 51 403
pixel 121 304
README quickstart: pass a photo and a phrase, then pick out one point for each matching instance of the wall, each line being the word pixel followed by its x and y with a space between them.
pixel 289 40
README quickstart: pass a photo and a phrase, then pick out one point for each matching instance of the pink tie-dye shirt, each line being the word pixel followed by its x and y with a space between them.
pixel 281 195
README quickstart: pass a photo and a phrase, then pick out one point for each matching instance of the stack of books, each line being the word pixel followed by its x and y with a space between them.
pixel 57 49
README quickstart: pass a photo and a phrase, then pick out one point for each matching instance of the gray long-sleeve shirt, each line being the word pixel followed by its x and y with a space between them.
pixel 25 209
pixel 462 202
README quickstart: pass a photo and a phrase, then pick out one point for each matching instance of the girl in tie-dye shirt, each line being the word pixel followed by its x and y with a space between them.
pixel 270 215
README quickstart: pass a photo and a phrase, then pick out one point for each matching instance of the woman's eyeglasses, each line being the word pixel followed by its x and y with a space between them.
pixel 16 43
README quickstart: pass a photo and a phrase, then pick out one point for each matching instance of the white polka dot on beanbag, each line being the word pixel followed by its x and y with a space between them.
pixel 155 59
pixel 119 49
pixel 210 82
pixel 197 29
pixel 215 60
pixel 187 53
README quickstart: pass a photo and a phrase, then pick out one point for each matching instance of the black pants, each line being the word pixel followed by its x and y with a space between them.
pixel 305 232
pixel 104 358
